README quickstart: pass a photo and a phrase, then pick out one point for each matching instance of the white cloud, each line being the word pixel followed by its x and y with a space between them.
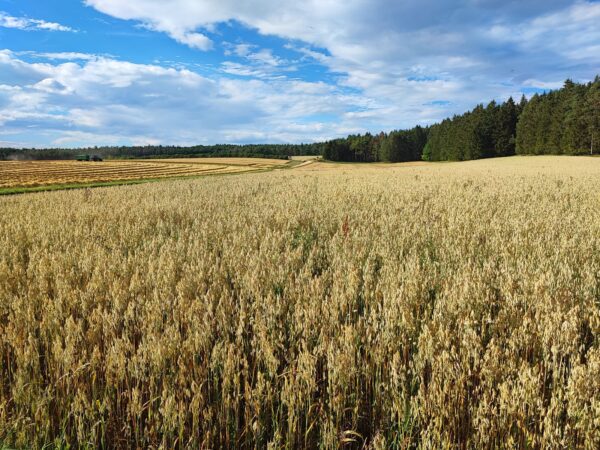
pixel 402 55
pixel 310 54
pixel 572 33
pixel 260 63
pixel 395 64
pixel 241 70
pixel 103 100
pixel 25 23
pixel 540 84
pixel 243 49
pixel 265 56
pixel 67 56
pixel 51 86
pixel 193 40
pixel 52 26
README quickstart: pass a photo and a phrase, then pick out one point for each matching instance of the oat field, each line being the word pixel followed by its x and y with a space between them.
pixel 33 174
pixel 451 305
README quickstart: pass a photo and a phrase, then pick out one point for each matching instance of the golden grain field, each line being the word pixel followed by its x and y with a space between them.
pixel 451 305
pixel 17 174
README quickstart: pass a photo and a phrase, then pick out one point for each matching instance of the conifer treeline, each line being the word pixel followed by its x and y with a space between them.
pixel 484 132
pixel 565 121
pixel 281 151
pixel 397 146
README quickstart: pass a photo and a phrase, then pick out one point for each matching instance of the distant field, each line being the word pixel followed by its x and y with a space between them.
pixel 24 175
pixel 247 162
pixel 329 165
pixel 305 158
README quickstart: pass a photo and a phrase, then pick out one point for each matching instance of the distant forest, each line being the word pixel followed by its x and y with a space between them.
pixel 564 121
pixel 276 151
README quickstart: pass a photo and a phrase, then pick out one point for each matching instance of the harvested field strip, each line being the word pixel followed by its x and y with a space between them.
pixel 109 170
pixel 132 171
pixel 15 174
pixel 226 161
pixel 140 174
pixel 66 180
pixel 105 167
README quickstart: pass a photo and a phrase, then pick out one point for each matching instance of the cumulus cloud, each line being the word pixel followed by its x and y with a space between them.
pixel 25 23
pixel 389 64
pixel 67 56
pixel 90 100
pixel 257 62
pixel 193 40
pixel 403 55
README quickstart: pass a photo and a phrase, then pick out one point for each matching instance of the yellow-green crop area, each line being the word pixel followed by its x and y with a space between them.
pixel 451 305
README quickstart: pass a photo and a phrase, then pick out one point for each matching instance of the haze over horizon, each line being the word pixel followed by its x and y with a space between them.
pixel 185 72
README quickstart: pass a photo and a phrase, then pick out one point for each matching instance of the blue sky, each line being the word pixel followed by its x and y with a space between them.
pixel 96 72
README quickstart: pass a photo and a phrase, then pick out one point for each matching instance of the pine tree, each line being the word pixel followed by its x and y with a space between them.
pixel 592 112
